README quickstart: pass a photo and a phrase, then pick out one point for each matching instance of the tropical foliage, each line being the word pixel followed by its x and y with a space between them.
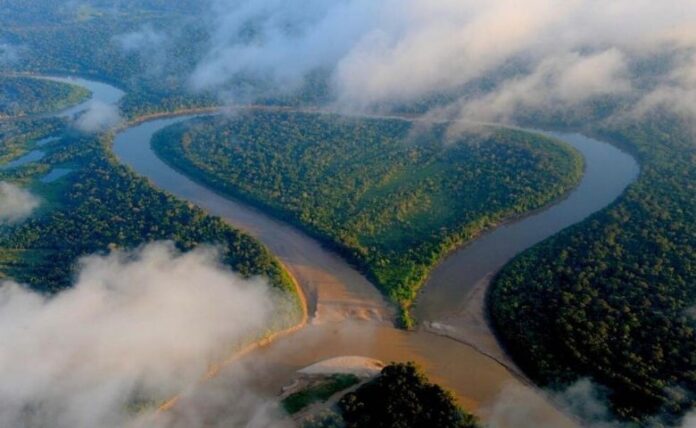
pixel 402 397
pixel 21 96
pixel 613 297
pixel 102 205
pixel 393 196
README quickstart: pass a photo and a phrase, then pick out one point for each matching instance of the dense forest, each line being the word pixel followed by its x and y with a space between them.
pixel 87 39
pixel 100 206
pixel 613 297
pixel 57 37
pixel 16 137
pixel 402 397
pixel 393 196
pixel 21 96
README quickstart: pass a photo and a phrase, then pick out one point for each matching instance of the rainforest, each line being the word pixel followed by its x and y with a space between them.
pixel 347 213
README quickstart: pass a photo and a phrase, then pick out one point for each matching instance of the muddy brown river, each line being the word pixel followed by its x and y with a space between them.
pixel 348 316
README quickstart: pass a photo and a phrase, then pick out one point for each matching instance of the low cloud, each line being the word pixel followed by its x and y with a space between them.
pixel 151 47
pixel 582 403
pixel 514 54
pixel 9 54
pixel 562 82
pixel 16 203
pixel 279 41
pixel 522 407
pixel 677 91
pixel 138 325
pixel 98 117
pixel 140 40
pixel 689 421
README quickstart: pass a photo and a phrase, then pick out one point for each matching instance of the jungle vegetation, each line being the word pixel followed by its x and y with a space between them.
pixel 17 137
pixel 402 397
pixel 102 205
pixel 318 392
pixel 22 96
pixel 393 196
pixel 612 298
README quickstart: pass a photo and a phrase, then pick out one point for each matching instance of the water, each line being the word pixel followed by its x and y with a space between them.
pixel 55 174
pixel 348 312
pixel 476 373
pixel 101 93
pixel 32 156
pixel 608 172
pixel 47 140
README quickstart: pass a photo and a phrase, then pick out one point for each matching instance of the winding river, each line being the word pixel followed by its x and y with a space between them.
pixel 350 317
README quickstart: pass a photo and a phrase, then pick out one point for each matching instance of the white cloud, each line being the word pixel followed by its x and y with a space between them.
pixel 98 117
pixel 560 81
pixel 146 323
pixel 143 39
pixel 16 203
pixel 522 407
pixel 291 39
pixel 150 45
pixel 9 54
pixel 384 51
pixel 676 92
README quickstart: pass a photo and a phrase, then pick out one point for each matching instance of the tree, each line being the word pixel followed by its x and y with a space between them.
pixel 402 397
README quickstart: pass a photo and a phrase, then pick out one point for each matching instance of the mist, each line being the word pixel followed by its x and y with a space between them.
pixel 98 117
pixel 400 51
pixel 9 54
pixel 16 203
pixel 136 328
pixel 521 407
pixel 149 45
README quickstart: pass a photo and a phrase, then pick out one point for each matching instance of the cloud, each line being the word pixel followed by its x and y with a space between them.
pixel 143 39
pixel 278 41
pixel 562 81
pixel 136 325
pixel 677 91
pixel 399 51
pixel 689 421
pixel 98 117
pixel 521 407
pixel 16 203
pixel 9 54
pixel 149 45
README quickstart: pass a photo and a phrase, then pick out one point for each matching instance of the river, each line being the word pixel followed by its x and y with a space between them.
pixel 347 308
pixel 350 317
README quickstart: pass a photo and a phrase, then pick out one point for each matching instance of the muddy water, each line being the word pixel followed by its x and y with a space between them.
pixel 334 290
pixel 608 172
pixel 348 310
pixel 452 302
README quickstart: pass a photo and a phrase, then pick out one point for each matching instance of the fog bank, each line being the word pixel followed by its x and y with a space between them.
pixel 511 54
pixel 16 203
pixel 98 117
pixel 136 326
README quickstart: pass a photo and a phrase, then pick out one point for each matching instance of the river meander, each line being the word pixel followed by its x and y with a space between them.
pixel 350 317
